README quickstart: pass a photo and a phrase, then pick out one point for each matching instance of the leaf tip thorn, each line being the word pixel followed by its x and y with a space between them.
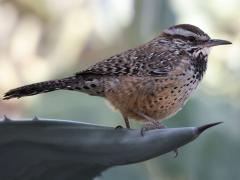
pixel 201 129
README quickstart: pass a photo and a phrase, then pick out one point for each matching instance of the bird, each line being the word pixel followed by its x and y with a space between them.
pixel 148 83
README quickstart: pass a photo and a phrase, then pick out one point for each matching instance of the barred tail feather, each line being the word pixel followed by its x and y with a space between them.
pixel 38 88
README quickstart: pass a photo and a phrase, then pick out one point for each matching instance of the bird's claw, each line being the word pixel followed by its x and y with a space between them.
pixel 119 127
pixel 143 129
pixel 176 153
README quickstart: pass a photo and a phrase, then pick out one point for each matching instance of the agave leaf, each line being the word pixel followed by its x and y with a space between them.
pixel 66 150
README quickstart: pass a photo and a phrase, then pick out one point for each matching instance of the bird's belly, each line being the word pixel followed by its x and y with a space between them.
pixel 157 100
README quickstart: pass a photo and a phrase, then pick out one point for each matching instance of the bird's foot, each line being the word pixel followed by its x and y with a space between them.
pixel 151 126
pixel 156 125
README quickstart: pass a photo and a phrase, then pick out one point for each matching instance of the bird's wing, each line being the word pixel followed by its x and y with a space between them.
pixel 141 61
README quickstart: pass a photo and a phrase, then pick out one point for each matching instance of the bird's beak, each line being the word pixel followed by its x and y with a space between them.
pixel 216 42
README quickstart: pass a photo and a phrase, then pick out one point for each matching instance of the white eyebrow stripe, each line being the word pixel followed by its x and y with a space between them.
pixel 184 32
pixel 180 31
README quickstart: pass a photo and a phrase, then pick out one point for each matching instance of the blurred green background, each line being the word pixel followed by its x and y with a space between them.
pixel 47 39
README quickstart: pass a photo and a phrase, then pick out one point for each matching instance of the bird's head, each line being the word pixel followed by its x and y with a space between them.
pixel 192 39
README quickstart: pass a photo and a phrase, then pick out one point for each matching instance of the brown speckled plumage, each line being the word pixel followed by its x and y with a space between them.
pixel 147 83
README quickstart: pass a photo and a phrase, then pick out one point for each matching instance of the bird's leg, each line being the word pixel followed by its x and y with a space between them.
pixel 126 122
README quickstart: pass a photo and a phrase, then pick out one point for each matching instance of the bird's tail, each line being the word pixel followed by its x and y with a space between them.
pixel 41 87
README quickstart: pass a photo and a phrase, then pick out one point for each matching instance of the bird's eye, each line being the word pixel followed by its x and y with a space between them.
pixel 191 38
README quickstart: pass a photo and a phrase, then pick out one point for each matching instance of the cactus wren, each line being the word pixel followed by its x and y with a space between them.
pixel 148 83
